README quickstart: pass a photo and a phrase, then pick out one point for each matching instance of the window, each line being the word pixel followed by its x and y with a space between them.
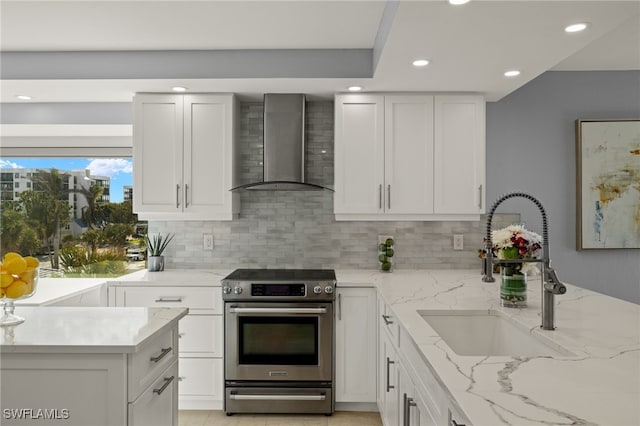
pixel 95 221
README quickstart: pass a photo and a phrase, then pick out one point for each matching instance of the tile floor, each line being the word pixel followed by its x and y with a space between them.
pixel 218 418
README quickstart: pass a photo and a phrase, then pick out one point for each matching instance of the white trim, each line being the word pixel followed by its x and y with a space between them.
pixel 100 130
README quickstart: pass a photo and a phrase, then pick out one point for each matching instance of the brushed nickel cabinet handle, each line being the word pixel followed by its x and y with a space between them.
pixel 480 197
pixel 389 385
pixel 380 197
pixel 167 382
pixel 386 319
pixel 186 195
pixel 163 299
pixel 177 195
pixel 163 353
pixel 389 197
pixel 339 307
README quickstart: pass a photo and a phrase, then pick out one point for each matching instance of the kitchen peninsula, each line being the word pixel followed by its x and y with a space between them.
pixel 595 381
pixel 90 365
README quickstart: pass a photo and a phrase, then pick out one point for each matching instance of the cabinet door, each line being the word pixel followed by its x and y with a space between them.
pixel 356 345
pixel 359 154
pixel 459 155
pixel 208 137
pixel 158 404
pixel 388 382
pixel 157 153
pixel 408 154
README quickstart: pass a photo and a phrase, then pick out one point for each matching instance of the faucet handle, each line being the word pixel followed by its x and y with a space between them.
pixel 552 282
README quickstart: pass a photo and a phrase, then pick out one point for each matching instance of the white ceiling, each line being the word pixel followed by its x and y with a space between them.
pixel 469 46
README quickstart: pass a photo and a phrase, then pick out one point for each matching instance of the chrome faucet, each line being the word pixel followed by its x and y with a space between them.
pixel 551 285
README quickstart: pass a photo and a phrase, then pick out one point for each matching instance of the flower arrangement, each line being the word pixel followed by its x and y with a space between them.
pixel 515 242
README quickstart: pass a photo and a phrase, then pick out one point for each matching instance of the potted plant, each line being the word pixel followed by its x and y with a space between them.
pixel 156 243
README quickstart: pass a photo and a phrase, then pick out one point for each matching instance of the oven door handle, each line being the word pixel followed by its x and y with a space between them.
pixel 278 397
pixel 235 310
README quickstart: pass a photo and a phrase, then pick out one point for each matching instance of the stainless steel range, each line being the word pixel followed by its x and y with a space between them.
pixel 279 337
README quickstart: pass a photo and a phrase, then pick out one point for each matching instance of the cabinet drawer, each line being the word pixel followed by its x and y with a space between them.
pixel 389 323
pixel 201 377
pixel 158 404
pixel 153 358
pixel 201 334
pixel 171 297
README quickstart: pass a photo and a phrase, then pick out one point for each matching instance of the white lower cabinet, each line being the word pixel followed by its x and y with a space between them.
pixel 201 375
pixel 408 392
pixel 93 388
pixel 158 404
pixel 355 319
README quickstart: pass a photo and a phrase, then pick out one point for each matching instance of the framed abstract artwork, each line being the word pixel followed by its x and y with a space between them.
pixel 608 184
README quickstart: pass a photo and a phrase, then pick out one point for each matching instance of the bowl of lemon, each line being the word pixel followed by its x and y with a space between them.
pixel 18 280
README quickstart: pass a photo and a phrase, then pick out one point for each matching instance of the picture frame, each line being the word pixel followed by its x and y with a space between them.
pixel 607 184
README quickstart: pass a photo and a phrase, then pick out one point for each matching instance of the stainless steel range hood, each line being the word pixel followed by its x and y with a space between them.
pixel 284 145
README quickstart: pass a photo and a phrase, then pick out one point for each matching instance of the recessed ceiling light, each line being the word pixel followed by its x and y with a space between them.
pixel 179 89
pixel 420 62
pixel 355 88
pixel 512 73
pixel 24 97
pixel 458 2
pixel 576 28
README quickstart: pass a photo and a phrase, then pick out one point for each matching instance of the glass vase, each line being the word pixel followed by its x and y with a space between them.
pixel 18 286
pixel 513 288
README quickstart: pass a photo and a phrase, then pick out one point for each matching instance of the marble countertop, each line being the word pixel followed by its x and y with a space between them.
pixel 51 290
pixel 85 330
pixel 599 385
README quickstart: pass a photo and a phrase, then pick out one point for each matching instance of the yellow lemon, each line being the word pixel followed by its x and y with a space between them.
pixel 15 265
pixel 10 255
pixel 6 279
pixel 29 277
pixel 17 289
pixel 32 261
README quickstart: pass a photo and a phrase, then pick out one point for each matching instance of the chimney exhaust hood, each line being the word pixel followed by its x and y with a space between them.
pixel 284 145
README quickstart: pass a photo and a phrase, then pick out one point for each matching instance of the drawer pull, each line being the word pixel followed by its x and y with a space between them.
pixel 454 423
pixel 167 382
pixel 389 385
pixel 162 299
pixel 163 353
pixel 386 319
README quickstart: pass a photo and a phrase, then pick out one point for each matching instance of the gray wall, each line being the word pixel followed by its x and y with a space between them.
pixel 531 148
pixel 297 229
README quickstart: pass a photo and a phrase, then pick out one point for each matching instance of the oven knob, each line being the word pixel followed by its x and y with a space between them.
pixel 237 290
pixel 328 289
pixel 317 289
pixel 226 290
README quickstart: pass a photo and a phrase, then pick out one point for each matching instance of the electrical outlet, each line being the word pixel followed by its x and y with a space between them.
pixel 458 242
pixel 207 242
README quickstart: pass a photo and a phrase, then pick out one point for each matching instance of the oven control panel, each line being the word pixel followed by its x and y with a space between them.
pixel 290 290
pixel 242 290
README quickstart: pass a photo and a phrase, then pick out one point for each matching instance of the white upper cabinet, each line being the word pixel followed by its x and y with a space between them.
pixel 409 157
pixel 183 157
pixel 359 154
pixel 459 173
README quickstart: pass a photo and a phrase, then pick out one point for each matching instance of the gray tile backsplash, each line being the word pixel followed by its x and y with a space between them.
pixel 294 229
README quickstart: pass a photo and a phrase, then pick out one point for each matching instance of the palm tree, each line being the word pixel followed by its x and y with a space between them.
pixel 91 212
pixel 55 187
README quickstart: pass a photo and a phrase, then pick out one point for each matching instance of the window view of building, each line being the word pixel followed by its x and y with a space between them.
pixel 77 221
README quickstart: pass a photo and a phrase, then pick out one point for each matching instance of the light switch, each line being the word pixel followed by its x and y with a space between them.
pixel 207 242
pixel 458 242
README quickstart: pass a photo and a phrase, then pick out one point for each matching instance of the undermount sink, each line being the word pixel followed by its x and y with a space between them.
pixel 488 333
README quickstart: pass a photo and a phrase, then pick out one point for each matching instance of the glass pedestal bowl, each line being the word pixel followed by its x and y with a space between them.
pixel 20 286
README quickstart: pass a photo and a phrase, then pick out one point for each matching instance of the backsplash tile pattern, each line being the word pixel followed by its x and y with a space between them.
pixel 294 229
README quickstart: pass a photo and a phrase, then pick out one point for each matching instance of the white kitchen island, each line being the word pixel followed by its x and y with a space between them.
pixel 597 383
pixel 90 366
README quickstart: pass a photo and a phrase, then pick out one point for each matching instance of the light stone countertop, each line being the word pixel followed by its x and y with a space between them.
pixel 599 385
pixel 49 329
